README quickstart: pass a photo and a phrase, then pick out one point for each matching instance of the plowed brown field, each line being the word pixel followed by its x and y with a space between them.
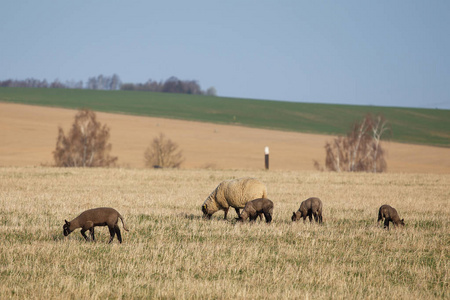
pixel 28 137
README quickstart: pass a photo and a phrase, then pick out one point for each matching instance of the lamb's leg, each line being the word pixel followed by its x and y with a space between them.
pixel 268 217
pixel 91 230
pixel 84 234
pixel 112 233
pixel 316 217
pixel 89 225
pixel 386 223
pixel 119 236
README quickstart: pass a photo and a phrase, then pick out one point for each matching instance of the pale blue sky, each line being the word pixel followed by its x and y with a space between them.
pixel 389 53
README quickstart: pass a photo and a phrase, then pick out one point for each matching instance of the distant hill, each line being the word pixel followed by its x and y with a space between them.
pixel 409 125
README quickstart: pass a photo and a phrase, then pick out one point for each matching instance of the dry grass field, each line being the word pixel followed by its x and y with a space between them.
pixel 28 137
pixel 170 252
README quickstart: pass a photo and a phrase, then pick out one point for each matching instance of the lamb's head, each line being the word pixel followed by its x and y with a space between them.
pixel 66 228
pixel 244 215
pixel 296 216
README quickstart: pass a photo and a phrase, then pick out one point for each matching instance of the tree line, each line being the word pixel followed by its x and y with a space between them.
pixel 86 145
pixel 102 82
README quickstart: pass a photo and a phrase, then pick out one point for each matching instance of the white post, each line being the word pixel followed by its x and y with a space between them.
pixel 266 157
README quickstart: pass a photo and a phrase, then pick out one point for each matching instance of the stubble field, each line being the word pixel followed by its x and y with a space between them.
pixel 28 137
pixel 172 252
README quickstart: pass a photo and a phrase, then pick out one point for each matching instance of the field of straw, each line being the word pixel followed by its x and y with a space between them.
pixel 28 137
pixel 172 252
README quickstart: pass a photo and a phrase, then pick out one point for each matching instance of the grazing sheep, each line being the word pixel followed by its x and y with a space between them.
pixel 389 214
pixel 308 208
pixel 102 216
pixel 255 208
pixel 235 193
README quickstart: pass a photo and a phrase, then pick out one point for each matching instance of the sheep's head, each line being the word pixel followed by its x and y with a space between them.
pixel 402 222
pixel 206 214
pixel 209 207
pixel 66 228
pixel 296 216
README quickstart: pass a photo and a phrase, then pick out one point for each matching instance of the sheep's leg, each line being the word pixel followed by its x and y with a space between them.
pixel 238 212
pixel 112 233
pixel 119 236
pixel 226 212
pixel 310 216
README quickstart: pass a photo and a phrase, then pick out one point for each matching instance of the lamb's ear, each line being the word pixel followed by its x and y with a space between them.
pixel 67 222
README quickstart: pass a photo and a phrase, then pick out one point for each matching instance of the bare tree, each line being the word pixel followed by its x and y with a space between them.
pixel 163 153
pixel 86 145
pixel 211 91
pixel 57 84
pixel 357 139
pixel 336 155
pixel 379 127
pixel 115 82
pixel 360 150
pixel 92 83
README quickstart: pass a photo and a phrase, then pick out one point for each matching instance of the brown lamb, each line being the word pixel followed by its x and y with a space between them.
pixel 389 214
pixel 309 208
pixel 255 208
pixel 102 216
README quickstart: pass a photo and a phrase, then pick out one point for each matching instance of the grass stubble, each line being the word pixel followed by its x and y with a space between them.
pixel 171 252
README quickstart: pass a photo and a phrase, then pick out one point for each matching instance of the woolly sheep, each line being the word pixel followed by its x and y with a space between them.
pixel 235 193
